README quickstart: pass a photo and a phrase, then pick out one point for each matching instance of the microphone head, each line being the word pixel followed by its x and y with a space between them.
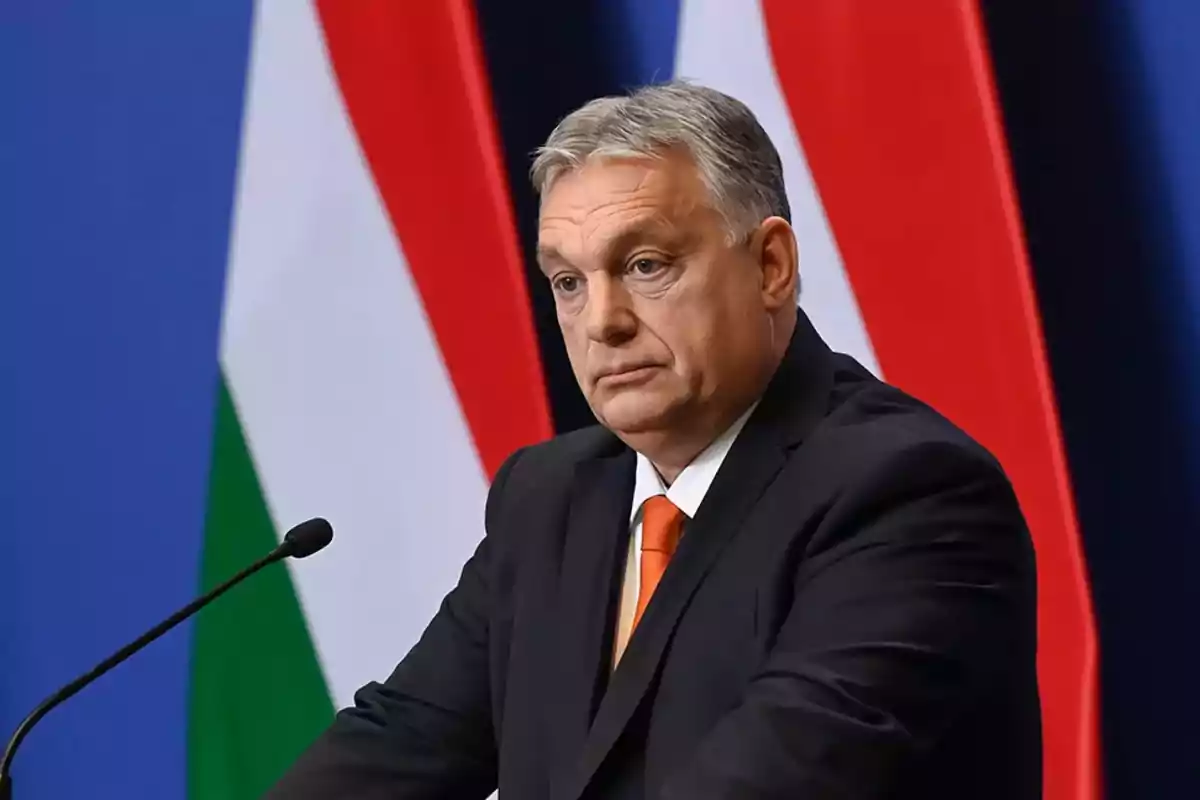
pixel 307 538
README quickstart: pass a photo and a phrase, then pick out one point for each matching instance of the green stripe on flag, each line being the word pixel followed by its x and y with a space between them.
pixel 257 695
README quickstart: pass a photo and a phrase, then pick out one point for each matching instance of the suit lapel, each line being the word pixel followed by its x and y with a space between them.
pixel 794 401
pixel 747 470
pixel 596 539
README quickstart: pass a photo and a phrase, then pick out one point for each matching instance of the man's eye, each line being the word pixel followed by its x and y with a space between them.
pixel 645 267
pixel 566 284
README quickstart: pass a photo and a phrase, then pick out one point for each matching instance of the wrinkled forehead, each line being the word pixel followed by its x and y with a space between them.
pixel 605 198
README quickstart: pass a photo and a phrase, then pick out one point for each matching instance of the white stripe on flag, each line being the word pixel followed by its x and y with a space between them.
pixel 348 409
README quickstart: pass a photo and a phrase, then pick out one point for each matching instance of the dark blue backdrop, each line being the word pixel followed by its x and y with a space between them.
pixel 1102 110
pixel 118 144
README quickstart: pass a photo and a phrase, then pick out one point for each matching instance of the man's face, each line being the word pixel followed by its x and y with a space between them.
pixel 665 322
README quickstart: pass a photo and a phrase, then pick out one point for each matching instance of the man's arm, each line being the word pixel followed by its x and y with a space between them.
pixel 921 594
pixel 425 732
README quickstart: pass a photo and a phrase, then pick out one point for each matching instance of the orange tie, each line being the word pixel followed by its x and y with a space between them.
pixel 662 524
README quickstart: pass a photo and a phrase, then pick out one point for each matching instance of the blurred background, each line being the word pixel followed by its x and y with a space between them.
pixel 265 261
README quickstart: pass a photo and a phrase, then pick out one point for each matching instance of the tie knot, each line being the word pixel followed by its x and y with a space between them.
pixel 662 523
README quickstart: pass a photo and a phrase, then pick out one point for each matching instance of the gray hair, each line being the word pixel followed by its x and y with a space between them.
pixel 736 159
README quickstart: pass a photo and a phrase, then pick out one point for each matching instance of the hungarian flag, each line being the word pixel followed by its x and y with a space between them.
pixel 379 364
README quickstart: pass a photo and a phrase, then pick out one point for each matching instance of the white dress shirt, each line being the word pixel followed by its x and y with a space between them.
pixel 687 492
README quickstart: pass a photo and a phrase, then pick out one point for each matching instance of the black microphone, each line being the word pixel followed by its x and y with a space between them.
pixel 300 542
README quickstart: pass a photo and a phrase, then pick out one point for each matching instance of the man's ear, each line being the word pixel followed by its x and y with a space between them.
pixel 774 244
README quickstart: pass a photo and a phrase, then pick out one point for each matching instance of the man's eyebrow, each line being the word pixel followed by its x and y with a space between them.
pixel 652 229
pixel 547 255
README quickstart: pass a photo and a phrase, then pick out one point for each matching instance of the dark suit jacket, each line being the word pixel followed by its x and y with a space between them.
pixel 850 614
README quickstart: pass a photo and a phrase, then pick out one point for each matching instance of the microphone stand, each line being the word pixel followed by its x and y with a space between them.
pixel 71 689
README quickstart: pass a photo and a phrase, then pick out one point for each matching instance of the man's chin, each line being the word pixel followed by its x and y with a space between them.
pixel 636 413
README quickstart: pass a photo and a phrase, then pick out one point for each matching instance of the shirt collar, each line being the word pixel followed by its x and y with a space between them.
pixel 688 490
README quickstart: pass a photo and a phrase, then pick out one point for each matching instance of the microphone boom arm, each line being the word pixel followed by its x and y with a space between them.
pixel 75 686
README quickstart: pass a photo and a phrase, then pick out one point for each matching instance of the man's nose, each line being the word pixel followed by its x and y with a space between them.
pixel 610 319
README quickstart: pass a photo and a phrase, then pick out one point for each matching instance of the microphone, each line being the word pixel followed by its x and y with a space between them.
pixel 300 542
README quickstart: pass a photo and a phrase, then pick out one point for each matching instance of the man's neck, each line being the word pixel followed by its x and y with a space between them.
pixel 672 451
pixel 671 464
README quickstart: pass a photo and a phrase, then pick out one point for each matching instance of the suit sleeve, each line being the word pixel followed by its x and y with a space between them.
pixel 917 591
pixel 425 732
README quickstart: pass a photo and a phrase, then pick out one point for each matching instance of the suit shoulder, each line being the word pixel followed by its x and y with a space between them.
pixel 547 467
pixel 876 422
pixel 879 450
pixel 564 451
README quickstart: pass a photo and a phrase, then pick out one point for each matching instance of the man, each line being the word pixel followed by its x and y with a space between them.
pixel 766 574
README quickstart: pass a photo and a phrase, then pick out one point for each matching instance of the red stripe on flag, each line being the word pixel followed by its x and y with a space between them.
pixel 412 77
pixel 895 107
